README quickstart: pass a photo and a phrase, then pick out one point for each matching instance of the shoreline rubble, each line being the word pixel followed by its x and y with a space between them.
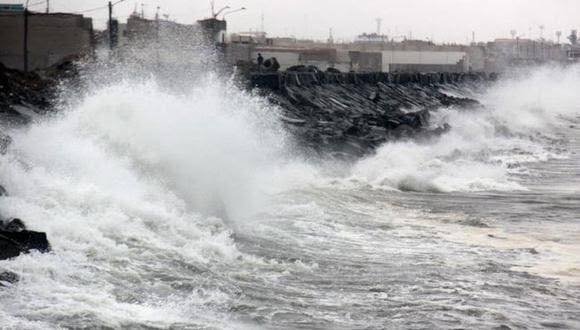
pixel 339 115
pixel 349 115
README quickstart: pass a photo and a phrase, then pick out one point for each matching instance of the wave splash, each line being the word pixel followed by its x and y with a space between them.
pixel 139 191
pixel 485 148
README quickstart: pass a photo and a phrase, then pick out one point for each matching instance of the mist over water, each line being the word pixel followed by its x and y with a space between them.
pixel 196 209
pixel 519 124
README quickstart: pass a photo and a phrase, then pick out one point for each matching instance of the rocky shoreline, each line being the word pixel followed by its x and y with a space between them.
pixel 337 115
pixel 348 115
pixel 22 96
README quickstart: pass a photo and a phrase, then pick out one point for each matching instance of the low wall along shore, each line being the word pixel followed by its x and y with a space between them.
pixel 278 80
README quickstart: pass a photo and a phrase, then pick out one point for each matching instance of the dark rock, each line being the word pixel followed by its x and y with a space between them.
pixel 15 239
pixel 533 251
pixel 5 142
pixel 335 113
pixel 502 327
pixel 3 191
pixel 297 68
pixel 14 226
pixel 28 90
pixel 8 278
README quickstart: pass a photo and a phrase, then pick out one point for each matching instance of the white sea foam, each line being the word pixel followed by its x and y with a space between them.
pixel 128 181
pixel 140 189
pixel 520 118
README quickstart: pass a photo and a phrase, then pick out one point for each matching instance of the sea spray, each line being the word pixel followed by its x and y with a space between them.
pixel 485 147
pixel 145 191
pixel 135 183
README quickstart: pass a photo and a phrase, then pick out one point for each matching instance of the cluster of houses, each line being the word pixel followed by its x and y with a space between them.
pixel 32 40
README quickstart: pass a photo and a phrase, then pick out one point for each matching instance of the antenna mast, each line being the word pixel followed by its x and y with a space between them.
pixel 262 23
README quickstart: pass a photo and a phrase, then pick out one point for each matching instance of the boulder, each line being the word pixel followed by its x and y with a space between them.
pixel 7 278
pixel 333 113
pixel 15 240
pixel 5 141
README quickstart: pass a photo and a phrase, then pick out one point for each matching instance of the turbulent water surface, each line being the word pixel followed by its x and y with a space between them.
pixel 197 211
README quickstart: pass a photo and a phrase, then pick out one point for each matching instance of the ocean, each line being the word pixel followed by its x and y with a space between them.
pixel 197 210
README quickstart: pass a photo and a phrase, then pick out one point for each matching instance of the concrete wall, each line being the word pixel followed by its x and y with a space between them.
pixel 285 58
pixel 366 61
pixel 214 30
pixel 359 61
pixel 11 40
pixel 475 61
pixel 51 38
pixel 402 59
pixel 162 42
pixel 426 68
pixel 235 53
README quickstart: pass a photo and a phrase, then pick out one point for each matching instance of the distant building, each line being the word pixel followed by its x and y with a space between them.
pixel 364 61
pixel 251 37
pixel 573 53
pixel 423 61
pixel 371 38
pixel 503 54
pixel 51 38
pixel 214 30
pixel 158 42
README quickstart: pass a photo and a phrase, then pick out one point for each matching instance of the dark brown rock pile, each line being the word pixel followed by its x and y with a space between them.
pixel 348 115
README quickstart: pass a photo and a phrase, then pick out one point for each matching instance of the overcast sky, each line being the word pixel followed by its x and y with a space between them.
pixel 442 20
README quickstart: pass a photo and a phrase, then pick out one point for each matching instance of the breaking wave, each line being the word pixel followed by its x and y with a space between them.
pixel 141 192
pixel 486 149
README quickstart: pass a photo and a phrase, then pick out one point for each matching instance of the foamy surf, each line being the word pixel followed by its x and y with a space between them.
pixel 196 210
pixel 520 123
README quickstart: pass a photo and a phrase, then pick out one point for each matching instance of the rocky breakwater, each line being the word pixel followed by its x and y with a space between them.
pixel 348 115
pixel 23 96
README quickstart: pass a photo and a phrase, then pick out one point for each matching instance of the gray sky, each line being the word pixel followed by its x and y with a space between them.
pixel 442 20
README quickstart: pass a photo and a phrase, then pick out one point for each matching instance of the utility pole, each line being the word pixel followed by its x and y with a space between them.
pixel 47 6
pixel 26 13
pixel 110 25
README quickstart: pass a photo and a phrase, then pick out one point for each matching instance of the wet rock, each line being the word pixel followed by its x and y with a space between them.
pixel 24 91
pixel 15 240
pixel 14 226
pixel 337 113
pixel 5 141
pixel 7 278
pixel 533 251
pixel 502 327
